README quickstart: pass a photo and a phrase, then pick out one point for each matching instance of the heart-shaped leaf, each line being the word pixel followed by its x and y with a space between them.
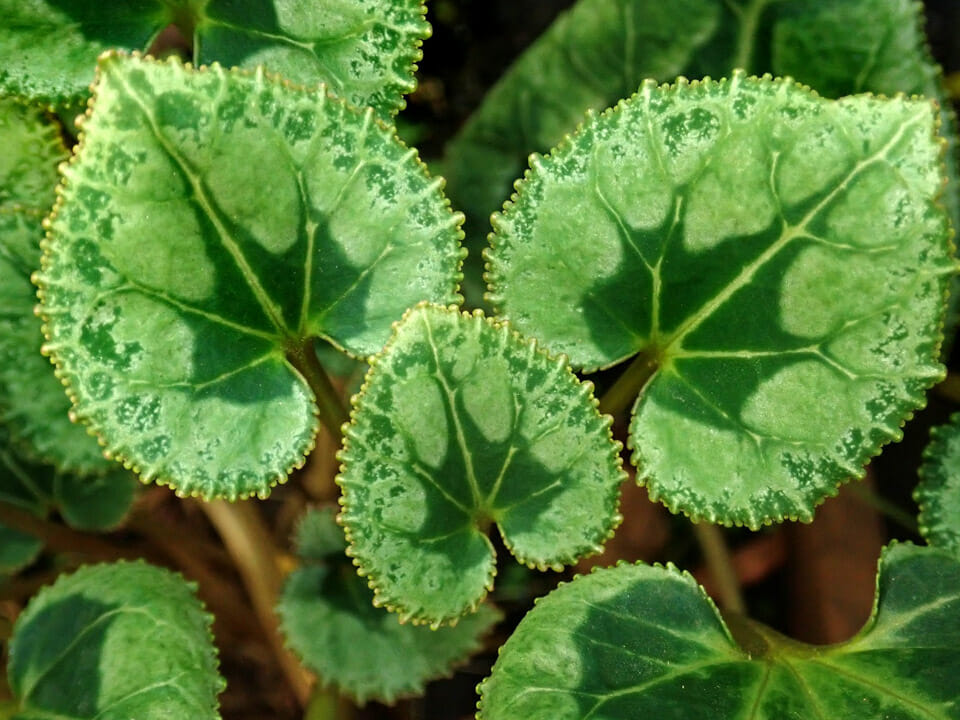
pixel 329 620
pixel 113 642
pixel 638 641
pixel 366 50
pixel 462 424
pixel 32 403
pixel 601 50
pixel 212 225
pixel 938 493
pixel 776 260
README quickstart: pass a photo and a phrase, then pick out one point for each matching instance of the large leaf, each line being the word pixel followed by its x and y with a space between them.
pixel 601 50
pixel 938 493
pixel 777 260
pixel 462 424
pixel 329 620
pixel 32 402
pixel 113 642
pixel 638 641
pixel 212 225
pixel 365 50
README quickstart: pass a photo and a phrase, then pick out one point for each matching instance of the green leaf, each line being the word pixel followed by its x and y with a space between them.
pixel 366 50
pixel 638 641
pixel 329 620
pixel 462 424
pixel 32 402
pixel 97 502
pixel 318 537
pixel 601 50
pixel 938 493
pixel 48 48
pixel 17 550
pixel 112 642
pixel 777 260
pixel 593 55
pixel 27 487
pixel 182 292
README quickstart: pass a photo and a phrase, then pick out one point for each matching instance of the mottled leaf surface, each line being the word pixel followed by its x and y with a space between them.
pixel 938 493
pixel 33 405
pixel 777 259
pixel 601 50
pixel 113 642
pixel 49 48
pixel 462 424
pixel 638 641
pixel 329 620
pixel 365 50
pixel 212 225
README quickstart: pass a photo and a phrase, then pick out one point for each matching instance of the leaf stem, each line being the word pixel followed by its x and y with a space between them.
pixel 625 390
pixel 720 562
pixel 331 409
pixel 886 508
pixel 59 537
pixel 746 38
pixel 254 553
pixel 328 704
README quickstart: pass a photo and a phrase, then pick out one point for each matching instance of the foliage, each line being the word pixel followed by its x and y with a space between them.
pixel 635 640
pixel 330 621
pixel 938 493
pixel 774 264
pixel 71 652
pixel 722 240
pixel 366 50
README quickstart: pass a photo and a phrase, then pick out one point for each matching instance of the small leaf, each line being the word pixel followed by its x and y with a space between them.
pixel 462 424
pixel 365 50
pixel 637 641
pixel 179 287
pixel 112 642
pixel 28 488
pixel 938 493
pixel 32 402
pixel 329 620
pixel 97 502
pixel 732 234
pixel 318 537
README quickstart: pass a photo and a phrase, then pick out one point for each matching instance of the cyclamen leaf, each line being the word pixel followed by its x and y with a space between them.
pixel 735 235
pixel 211 226
pixel 113 642
pixel 28 488
pixel 938 493
pixel 638 641
pixel 329 620
pixel 601 50
pixel 32 402
pixel 94 502
pixel 462 424
pixel 366 50
pixel 590 57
